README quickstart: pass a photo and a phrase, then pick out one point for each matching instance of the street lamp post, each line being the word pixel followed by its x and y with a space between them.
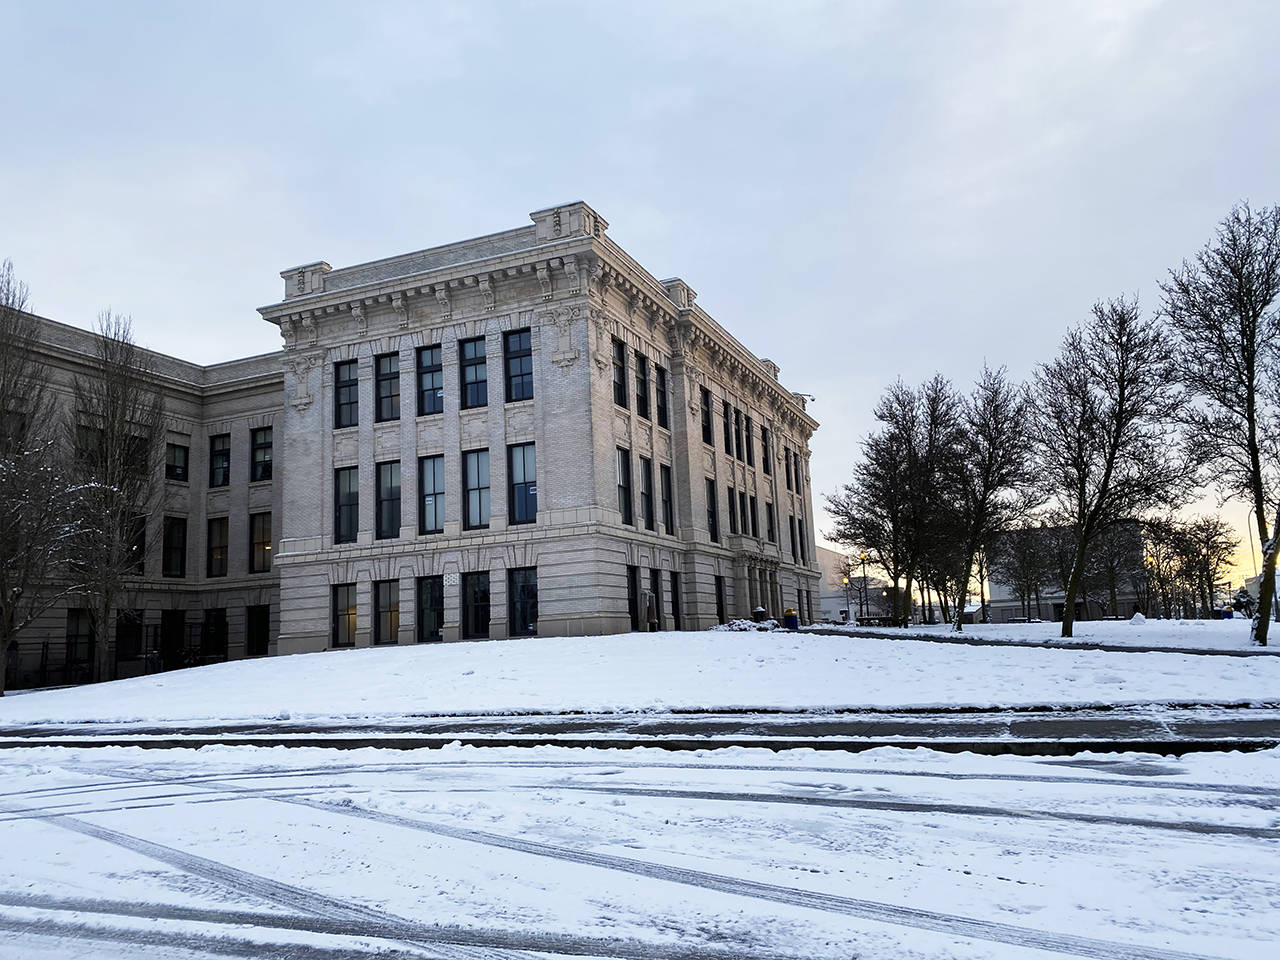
pixel 846 599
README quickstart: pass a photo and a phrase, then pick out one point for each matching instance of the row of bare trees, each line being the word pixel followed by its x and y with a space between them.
pixel 78 473
pixel 1134 415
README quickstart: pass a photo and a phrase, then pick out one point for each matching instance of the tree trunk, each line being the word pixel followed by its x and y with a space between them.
pixel 1073 589
pixel 1267 588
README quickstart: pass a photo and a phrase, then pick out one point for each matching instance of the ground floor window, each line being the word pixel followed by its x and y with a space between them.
pixel 213 639
pixel 128 635
pixel 257 630
pixel 676 622
pixel 808 605
pixel 430 620
pixel 344 615
pixel 80 642
pixel 720 618
pixel 633 595
pixel 173 640
pixel 655 588
pixel 522 600
pixel 475 606
pixel 386 611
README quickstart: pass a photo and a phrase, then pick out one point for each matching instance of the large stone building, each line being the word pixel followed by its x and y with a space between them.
pixel 521 434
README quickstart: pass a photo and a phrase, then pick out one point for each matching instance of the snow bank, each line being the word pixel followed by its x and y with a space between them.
pixel 653 671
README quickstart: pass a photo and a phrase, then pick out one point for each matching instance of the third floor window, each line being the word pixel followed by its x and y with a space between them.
pixel 260 467
pixel 220 460
pixel 387 383
pixel 430 381
pixel 517 351
pixel 619 373
pixel 475 373
pixel 346 394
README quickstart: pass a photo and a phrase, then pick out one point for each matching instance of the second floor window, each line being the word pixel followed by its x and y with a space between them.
pixel 727 410
pixel 518 354
pixel 786 460
pixel 660 394
pixel 522 477
pixel 737 434
pixel 668 508
pixel 430 381
pixel 766 454
pixel 387 501
pixel 707 435
pixel 346 394
pixel 387 384
pixel 755 518
pixel 175 547
pixel 713 525
pixel 259 542
pixel 175 462
pixel 642 385
pixel 220 460
pixel 475 373
pixel 733 512
pixel 751 443
pixel 619 373
pixel 216 542
pixel 646 492
pixel 346 504
pixel 260 468
pixel 475 481
pixel 770 523
pixel 624 484
pixel 431 494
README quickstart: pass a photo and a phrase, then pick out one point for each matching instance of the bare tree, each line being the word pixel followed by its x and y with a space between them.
pixel 35 519
pixel 1022 559
pixel 992 472
pixel 116 425
pixel 1224 306
pixel 1104 445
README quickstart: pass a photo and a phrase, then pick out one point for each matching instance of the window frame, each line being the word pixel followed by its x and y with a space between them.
pixel 346 394
pixel 620 395
pixel 518 605
pixel 470 610
pixel 346 506
pixel 523 351
pixel 386 387
pixel 625 505
pixel 642 385
pixel 713 511
pixel 343 616
pixel 749 432
pixel 430 396
pixel 255 615
pixel 660 396
pixel 438 502
pixel 474 393
pixel 260 457
pixel 708 419
pixel 174 547
pixel 428 588
pixel 738 447
pixel 173 470
pixel 386 504
pixel 260 549
pixel 219 460
pixel 667 493
pixel 386 613
pixel 766 456
pixel 216 554
pixel 646 494
pixel 482 492
pixel 727 413
pixel 522 495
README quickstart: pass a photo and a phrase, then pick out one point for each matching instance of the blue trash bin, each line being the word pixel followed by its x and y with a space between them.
pixel 790 619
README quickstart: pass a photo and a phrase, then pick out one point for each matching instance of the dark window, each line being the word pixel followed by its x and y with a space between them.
pixel 344 615
pixel 808 605
pixel 216 558
pixel 138 544
pixel 257 630
pixel 646 492
pixel 751 443
pixel 727 409
pixel 660 394
pixel 742 511
pixel 386 368
pixel 259 542
pixel 733 511
pixel 175 547
pixel 766 454
pixel 522 601
pixel 387 502
pixel 755 518
pixel 713 527
pixel 475 373
pixel 770 522
pixel 220 460
pixel 260 465
pixel 642 385
pixel 430 625
pixel 737 434
pixel 213 638
pixel 720 618
pixel 475 481
pixel 128 635
pixel 430 381
pixel 668 508
pixel 519 358
pixel 655 591
pixel 175 462
pixel 633 595
pixel 676 621
pixel 707 435
pixel 624 485
pixel 522 484
pixel 346 394
pixel 804 549
pixel 475 606
pixel 431 494
pixel 799 473
pixel 795 556
pixel 346 504
pixel 386 611
pixel 80 640
pixel 619 373
pixel 786 460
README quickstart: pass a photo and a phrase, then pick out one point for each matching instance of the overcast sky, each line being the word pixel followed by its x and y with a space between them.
pixel 856 190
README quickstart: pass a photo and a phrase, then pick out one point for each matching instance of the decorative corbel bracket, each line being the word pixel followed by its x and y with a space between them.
pixel 361 319
pixel 486 291
pixel 442 298
pixel 401 308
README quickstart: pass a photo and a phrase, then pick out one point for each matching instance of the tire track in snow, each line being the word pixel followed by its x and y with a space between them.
pixel 553 943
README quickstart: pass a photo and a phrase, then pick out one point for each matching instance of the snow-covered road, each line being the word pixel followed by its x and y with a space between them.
pixel 636 853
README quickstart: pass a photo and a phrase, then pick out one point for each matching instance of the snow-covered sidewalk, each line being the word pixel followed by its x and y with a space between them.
pixel 745 854
pixel 653 672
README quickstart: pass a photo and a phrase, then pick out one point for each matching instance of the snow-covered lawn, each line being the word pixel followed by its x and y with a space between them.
pixel 887 855
pixel 1230 634
pixel 637 672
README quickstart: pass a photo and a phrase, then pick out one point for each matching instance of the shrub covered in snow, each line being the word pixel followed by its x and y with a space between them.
pixel 743 626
